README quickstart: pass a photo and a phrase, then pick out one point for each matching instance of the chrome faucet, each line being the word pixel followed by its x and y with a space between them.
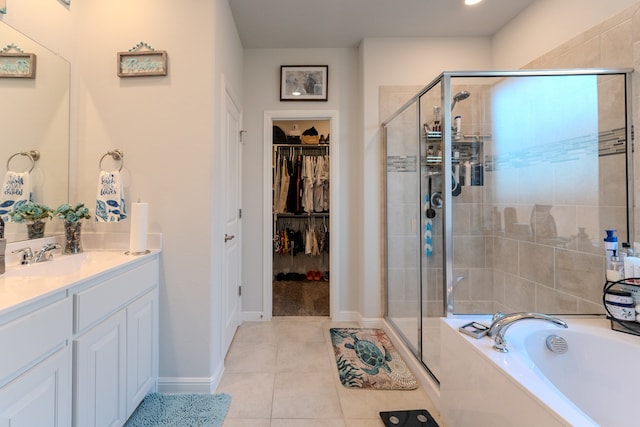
pixel 501 323
pixel 45 253
pixel 27 255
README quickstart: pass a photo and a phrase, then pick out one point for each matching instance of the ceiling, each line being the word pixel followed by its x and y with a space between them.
pixel 344 23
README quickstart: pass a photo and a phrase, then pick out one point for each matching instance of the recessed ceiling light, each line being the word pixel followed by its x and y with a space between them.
pixel 471 2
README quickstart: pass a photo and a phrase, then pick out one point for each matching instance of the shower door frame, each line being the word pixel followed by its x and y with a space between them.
pixel 446 101
pixel 446 77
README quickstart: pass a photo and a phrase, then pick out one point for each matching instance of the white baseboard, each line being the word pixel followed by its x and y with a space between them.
pixel 252 316
pixel 186 385
pixel 346 316
pixel 371 322
pixel 175 385
pixel 342 316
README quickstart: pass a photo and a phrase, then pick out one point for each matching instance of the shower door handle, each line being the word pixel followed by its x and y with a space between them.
pixel 228 237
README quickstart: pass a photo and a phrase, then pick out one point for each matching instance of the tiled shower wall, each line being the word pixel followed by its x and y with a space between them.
pixel 403 202
pixel 496 271
pixel 569 278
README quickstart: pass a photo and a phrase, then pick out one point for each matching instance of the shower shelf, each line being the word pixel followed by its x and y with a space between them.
pixel 469 148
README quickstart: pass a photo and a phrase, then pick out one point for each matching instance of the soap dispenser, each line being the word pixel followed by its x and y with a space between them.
pixel 610 246
pixel 610 243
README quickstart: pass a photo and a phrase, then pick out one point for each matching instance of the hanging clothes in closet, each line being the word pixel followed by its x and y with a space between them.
pixel 301 182
pixel 309 236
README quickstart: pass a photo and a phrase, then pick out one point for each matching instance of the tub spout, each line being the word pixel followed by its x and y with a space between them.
pixel 501 323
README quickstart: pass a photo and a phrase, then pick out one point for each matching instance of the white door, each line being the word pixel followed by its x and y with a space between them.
pixel 232 229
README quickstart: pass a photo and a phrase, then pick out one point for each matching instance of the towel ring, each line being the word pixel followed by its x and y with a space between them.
pixel 33 155
pixel 115 155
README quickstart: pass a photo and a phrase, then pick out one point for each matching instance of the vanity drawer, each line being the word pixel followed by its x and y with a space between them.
pixel 108 296
pixel 31 337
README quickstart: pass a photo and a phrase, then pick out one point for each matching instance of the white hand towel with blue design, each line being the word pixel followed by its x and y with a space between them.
pixel 428 229
pixel 110 201
pixel 428 237
pixel 16 189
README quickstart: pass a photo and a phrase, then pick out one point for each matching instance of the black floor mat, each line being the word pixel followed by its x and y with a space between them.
pixel 413 418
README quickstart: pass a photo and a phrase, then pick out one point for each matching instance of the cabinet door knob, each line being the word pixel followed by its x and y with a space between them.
pixel 227 237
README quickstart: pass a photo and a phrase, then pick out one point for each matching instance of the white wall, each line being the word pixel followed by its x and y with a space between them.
pixel 169 129
pixel 545 25
pixel 49 23
pixel 261 88
pixel 396 62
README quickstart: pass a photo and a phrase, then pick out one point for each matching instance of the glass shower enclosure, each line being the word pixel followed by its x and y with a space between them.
pixel 499 188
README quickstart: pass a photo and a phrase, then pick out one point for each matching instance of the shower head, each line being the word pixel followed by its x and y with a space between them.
pixel 460 96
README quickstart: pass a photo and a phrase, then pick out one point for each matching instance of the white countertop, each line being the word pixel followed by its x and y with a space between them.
pixel 22 285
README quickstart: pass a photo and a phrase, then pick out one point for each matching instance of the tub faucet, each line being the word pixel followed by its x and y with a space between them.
pixel 501 323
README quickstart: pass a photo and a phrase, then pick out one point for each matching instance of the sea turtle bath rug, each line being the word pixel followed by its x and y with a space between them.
pixel 367 359
pixel 184 410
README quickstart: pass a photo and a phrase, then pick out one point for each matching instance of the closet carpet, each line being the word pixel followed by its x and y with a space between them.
pixel 300 298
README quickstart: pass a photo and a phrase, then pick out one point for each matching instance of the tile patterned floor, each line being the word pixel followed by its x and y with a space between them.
pixel 282 373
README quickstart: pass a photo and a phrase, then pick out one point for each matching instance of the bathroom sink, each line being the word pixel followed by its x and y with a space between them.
pixel 21 285
pixel 65 265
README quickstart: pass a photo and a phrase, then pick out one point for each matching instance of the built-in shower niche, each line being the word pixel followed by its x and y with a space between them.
pixel 524 235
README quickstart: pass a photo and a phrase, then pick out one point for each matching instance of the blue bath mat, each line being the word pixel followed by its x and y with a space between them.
pixel 185 410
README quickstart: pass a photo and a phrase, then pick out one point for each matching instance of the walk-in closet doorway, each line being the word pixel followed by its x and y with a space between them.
pixel 322 264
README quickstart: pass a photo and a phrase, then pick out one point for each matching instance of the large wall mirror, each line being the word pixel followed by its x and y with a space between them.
pixel 34 115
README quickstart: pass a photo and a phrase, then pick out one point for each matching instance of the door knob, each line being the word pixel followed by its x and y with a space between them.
pixel 227 237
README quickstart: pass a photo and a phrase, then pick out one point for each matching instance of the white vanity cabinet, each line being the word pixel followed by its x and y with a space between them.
pixel 142 349
pixel 99 374
pixel 115 345
pixel 78 339
pixel 35 364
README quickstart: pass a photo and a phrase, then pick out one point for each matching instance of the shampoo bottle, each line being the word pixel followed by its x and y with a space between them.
pixel 457 128
pixel 610 245
pixel 436 119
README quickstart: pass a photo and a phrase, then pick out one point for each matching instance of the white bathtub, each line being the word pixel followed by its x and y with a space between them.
pixel 593 384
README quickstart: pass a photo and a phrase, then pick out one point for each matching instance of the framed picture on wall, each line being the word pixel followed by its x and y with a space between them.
pixel 140 64
pixel 304 82
pixel 17 65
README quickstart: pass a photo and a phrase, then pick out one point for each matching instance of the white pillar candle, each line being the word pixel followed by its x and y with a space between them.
pixel 138 232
